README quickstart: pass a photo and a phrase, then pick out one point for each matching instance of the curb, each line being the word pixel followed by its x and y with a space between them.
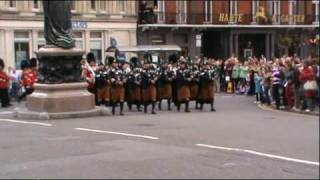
pixel 270 108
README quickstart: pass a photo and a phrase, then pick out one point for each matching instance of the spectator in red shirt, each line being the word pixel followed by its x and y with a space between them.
pixel 29 77
pixel 4 86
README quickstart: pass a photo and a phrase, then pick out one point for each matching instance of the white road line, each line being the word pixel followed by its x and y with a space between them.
pixel 6 112
pixel 117 133
pixel 260 154
pixel 26 122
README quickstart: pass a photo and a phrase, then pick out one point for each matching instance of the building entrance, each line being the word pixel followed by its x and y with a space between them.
pixel 251 45
pixel 213 44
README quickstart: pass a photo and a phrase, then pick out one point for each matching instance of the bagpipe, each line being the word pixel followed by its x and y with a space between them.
pixel 148 76
pixel 101 78
pixel 118 77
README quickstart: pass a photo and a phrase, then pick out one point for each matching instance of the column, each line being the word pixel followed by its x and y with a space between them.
pixel 267 46
pixel 236 36
pixel 87 41
pixel 272 44
pixel 230 44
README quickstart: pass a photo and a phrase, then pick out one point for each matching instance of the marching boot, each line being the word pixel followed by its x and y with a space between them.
pixel 139 107
pixel 145 108
pixel 197 105
pixel 159 105
pixel 129 106
pixel 153 107
pixel 178 107
pixel 187 107
pixel 201 106
pixel 113 108
pixel 107 103
pixel 121 108
pixel 212 107
pixel 169 105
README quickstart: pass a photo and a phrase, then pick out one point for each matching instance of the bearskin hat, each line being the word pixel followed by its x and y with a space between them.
pixel 24 64
pixel 90 57
pixel 1 63
pixel 173 58
pixel 111 60
pixel 33 62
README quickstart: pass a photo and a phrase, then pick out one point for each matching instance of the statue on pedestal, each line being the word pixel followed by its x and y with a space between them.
pixel 57 23
pixel 59 60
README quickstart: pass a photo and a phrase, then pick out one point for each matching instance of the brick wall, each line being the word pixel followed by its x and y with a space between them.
pixel 171 9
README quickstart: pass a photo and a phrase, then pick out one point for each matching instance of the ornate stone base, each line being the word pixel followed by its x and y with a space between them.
pixel 23 113
pixel 59 101
pixel 61 91
pixel 66 97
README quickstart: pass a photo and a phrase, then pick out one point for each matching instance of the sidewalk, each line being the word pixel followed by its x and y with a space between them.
pixel 316 112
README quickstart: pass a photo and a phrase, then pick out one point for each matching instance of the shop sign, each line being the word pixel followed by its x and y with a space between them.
pixel 79 25
pixel 224 17
pixel 285 18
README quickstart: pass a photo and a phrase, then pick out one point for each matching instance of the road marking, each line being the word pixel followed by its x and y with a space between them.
pixel 26 122
pixel 117 133
pixel 6 112
pixel 260 154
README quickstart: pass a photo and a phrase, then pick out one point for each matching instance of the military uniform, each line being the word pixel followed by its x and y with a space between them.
pixel 166 77
pixel 183 80
pixel 133 85
pixel 194 85
pixel 117 89
pixel 149 77
pixel 103 85
pixel 206 84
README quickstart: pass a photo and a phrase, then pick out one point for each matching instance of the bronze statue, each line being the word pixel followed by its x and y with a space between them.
pixel 57 23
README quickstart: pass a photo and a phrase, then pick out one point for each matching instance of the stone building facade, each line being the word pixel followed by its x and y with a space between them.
pixel 94 23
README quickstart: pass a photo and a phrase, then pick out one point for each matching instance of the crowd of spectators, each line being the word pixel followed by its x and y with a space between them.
pixel 288 82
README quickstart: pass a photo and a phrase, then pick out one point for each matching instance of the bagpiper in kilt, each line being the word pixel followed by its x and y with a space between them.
pixel 183 80
pixel 149 77
pixel 133 84
pixel 166 76
pixel 117 90
pixel 103 85
pixel 206 84
pixel 194 84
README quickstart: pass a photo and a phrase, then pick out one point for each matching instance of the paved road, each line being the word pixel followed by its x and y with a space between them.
pixel 165 145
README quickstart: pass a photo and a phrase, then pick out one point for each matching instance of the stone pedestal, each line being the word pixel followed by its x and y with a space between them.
pixel 66 97
pixel 61 92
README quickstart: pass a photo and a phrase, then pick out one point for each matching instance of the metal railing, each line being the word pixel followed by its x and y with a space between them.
pixel 203 18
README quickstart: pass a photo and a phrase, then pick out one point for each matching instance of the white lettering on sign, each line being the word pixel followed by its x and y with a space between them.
pixel 79 25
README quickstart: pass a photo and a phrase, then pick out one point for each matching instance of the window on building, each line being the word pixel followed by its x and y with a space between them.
pixel 21 47
pixel 316 11
pixel 103 5
pixel 73 5
pixel 160 11
pixel 292 11
pixel 255 9
pixel 233 8
pixel 36 4
pixel 92 4
pixel 78 37
pixel 275 10
pixel 12 3
pixel 208 10
pixel 182 11
pixel 41 40
pixel 122 5
pixel 96 45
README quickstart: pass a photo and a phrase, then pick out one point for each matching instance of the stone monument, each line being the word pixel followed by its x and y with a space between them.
pixel 60 92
